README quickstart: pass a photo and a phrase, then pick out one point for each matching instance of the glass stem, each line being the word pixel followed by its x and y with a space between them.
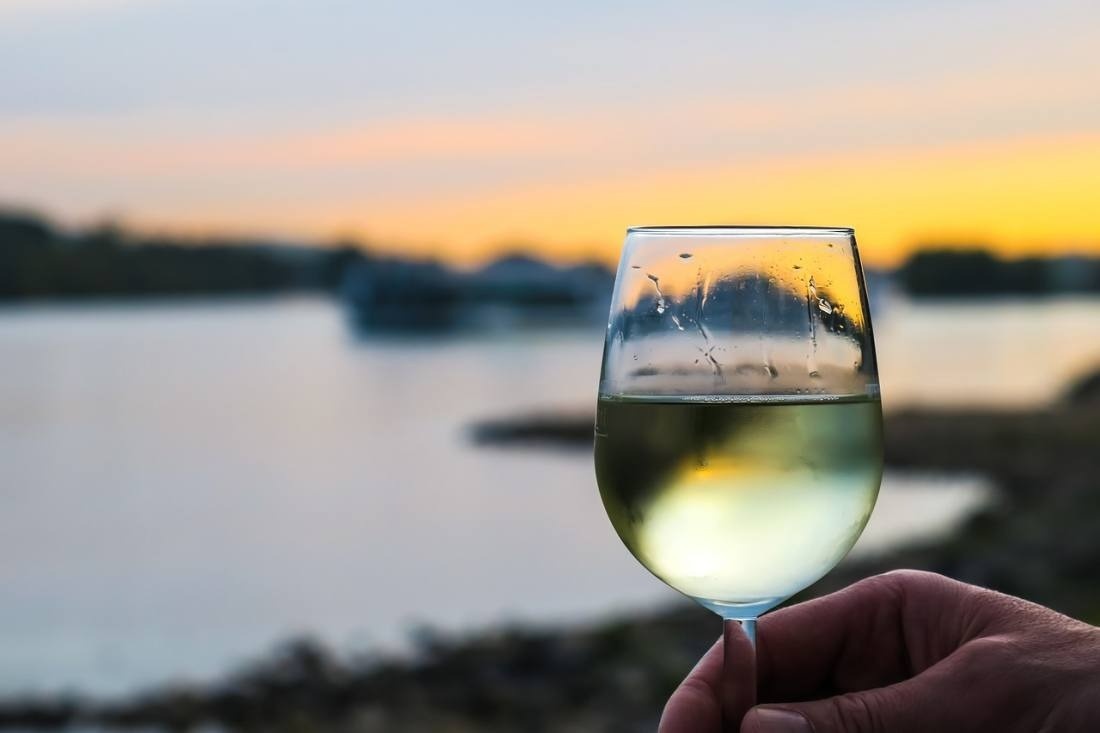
pixel 738 671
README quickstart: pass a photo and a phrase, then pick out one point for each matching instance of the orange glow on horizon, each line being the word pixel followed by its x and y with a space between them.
pixel 485 136
pixel 1021 197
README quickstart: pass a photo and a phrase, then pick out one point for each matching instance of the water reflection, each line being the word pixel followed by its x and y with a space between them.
pixel 185 484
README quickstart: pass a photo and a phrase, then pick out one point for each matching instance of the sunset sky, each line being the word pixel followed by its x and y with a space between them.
pixel 464 129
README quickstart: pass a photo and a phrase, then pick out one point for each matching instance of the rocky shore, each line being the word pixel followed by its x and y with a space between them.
pixel 1039 540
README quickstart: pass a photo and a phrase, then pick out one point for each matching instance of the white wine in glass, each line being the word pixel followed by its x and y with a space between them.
pixel 738 426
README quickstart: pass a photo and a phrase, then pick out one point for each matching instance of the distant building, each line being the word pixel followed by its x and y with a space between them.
pixel 518 290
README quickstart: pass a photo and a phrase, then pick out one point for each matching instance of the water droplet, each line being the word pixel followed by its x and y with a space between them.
pixel 824 306
pixel 770 370
pixel 796 267
pixel 635 357
pixel 708 354
pixel 677 322
pixel 830 245
pixel 811 296
pixel 685 255
pixel 635 267
pixel 662 306
pixel 815 374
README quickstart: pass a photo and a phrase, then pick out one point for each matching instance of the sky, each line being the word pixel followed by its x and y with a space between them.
pixel 462 130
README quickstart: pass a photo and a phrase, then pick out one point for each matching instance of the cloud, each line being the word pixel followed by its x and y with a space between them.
pixel 1008 157
pixel 97 147
pixel 596 137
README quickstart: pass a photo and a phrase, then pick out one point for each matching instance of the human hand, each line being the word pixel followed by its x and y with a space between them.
pixel 908 652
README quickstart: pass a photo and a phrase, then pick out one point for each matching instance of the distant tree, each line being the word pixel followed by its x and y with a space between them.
pixel 26 257
pixel 977 272
pixel 948 272
pixel 36 260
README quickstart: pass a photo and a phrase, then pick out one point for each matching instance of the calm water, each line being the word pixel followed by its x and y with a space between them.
pixel 183 485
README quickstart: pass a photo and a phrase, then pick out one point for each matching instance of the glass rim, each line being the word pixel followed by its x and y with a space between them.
pixel 740 230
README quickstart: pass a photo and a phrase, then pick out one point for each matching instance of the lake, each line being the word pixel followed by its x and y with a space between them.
pixel 184 484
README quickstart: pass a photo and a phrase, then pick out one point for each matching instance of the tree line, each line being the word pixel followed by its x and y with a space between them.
pixel 39 260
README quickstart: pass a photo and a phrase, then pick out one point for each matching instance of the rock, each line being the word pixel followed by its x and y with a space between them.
pixel 1084 391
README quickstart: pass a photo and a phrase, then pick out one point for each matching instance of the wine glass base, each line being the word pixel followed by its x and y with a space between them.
pixel 739 611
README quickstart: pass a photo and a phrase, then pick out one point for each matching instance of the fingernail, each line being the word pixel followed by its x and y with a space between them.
pixel 775 720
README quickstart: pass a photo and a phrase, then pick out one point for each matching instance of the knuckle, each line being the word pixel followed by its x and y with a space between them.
pixel 693 693
pixel 695 687
pixel 992 651
pixel 913 579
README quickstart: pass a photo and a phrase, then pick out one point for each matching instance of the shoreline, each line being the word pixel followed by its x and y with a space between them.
pixel 1037 541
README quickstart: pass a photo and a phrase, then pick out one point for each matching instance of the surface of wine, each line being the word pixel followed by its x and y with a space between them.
pixel 739 503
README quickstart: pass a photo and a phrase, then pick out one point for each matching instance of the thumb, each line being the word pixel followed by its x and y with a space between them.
pixel 913 706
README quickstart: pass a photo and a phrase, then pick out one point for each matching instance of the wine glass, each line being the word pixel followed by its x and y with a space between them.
pixel 738 427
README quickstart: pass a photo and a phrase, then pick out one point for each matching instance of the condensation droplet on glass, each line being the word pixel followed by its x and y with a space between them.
pixel 815 374
pixel 662 306
pixel 635 357
pixel 811 296
pixel 635 267
pixel 796 267
pixel 824 306
pixel 838 316
pixel 685 255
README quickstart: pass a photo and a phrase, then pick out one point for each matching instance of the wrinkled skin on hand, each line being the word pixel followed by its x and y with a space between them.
pixel 909 652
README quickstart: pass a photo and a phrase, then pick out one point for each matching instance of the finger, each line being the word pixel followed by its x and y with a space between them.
pixel 917 705
pixel 875 633
pixel 737 691
pixel 695 706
